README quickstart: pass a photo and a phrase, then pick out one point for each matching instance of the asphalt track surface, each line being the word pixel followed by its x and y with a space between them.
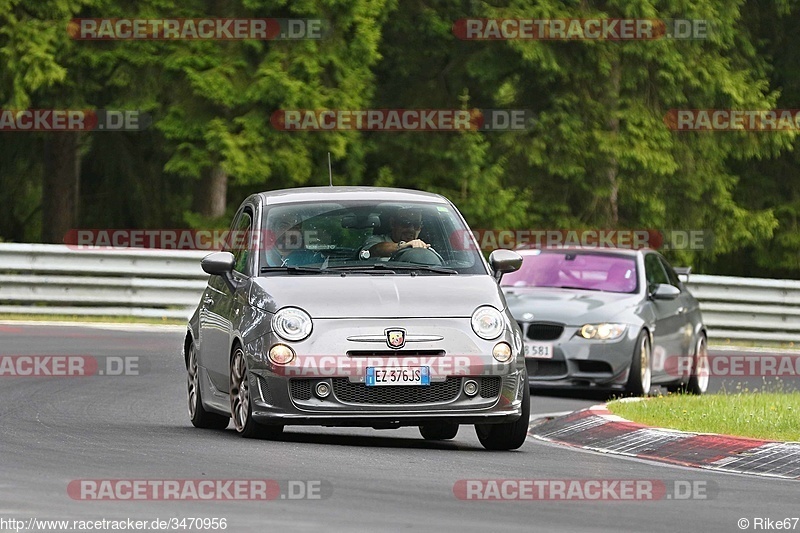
pixel 56 430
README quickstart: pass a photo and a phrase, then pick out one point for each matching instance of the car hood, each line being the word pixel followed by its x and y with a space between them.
pixel 378 296
pixel 571 307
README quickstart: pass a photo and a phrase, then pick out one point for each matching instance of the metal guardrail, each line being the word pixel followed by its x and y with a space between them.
pixel 50 279
pixel 748 308
pixel 55 279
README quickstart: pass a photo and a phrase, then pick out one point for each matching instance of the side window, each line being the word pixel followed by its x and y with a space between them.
pixel 240 242
pixel 654 271
pixel 673 277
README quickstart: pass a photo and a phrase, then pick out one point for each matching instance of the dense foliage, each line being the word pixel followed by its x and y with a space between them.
pixel 598 155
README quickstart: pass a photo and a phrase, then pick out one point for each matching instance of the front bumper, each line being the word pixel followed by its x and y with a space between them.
pixel 280 400
pixel 340 350
pixel 580 363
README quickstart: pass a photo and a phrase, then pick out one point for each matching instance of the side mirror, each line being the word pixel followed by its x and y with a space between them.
pixel 665 292
pixel 683 273
pixel 504 261
pixel 220 264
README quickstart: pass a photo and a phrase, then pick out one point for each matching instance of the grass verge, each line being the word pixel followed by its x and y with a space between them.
pixel 760 415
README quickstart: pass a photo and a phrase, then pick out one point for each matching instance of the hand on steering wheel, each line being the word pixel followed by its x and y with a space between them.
pixel 416 243
pixel 424 255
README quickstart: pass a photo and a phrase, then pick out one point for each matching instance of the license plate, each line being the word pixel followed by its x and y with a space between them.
pixel 397 375
pixel 539 350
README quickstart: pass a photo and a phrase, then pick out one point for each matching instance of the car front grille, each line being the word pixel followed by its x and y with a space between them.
pixel 490 387
pixel 436 392
pixel 544 331
pixel 300 389
pixel 544 368
pixel 594 367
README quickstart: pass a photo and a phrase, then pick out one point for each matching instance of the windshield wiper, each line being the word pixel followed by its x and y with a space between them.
pixel 429 268
pixel 391 268
pixel 365 269
pixel 296 270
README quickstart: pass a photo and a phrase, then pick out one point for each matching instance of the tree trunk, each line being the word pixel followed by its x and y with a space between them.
pixel 61 185
pixel 613 164
pixel 212 193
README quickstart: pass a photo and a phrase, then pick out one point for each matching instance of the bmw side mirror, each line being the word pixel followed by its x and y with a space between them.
pixel 664 291
pixel 504 261
pixel 220 264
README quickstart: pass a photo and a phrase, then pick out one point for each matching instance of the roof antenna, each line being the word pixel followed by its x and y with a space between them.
pixel 330 171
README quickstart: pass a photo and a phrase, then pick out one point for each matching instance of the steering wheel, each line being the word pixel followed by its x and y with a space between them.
pixel 420 256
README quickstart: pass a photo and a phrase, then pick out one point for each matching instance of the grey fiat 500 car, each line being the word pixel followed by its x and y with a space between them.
pixel 356 306
pixel 610 319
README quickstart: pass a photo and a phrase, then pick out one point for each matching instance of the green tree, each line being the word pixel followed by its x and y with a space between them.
pixel 425 66
pixel 601 153
pixel 224 93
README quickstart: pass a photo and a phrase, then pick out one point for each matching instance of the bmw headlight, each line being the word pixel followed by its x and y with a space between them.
pixel 603 332
pixel 291 324
pixel 487 322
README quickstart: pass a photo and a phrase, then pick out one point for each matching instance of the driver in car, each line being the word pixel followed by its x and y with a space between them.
pixel 405 225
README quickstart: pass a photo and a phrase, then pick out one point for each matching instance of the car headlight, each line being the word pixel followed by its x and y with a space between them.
pixel 280 354
pixel 604 331
pixel 291 324
pixel 487 322
pixel 502 352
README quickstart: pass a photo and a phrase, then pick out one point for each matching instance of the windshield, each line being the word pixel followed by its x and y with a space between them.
pixel 375 237
pixel 575 270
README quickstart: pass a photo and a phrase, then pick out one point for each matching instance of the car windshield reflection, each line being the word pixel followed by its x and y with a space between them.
pixel 366 237
pixel 569 269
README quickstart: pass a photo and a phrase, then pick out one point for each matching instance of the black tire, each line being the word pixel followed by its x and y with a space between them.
pixel 197 413
pixel 698 381
pixel 639 378
pixel 241 404
pixel 508 436
pixel 441 431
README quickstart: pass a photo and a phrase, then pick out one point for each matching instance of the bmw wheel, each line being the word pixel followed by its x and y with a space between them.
pixel 640 372
pixel 698 381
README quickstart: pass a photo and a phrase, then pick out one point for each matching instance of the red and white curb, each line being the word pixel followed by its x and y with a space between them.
pixel 599 430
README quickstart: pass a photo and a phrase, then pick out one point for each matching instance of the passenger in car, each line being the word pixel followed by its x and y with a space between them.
pixel 284 237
